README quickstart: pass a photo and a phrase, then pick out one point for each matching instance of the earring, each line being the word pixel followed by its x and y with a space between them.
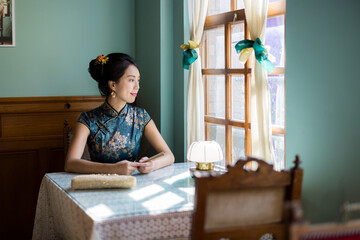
pixel 113 94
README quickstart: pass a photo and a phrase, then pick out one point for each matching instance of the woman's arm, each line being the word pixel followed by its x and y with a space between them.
pixel 74 163
pixel 153 135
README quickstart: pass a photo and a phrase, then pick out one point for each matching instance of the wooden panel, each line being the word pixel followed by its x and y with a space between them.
pixel 31 144
pixel 40 124
pixel 28 143
pixel 49 104
pixel 56 160
pixel 19 176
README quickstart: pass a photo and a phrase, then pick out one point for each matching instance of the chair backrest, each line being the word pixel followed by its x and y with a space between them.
pixel 245 204
pixel 67 136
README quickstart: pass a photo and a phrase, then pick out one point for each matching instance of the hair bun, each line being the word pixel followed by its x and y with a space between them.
pixel 95 70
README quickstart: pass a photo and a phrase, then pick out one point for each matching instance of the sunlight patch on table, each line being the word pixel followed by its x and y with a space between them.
pixel 163 202
pixel 188 190
pixel 177 177
pixel 187 207
pixel 146 192
pixel 100 211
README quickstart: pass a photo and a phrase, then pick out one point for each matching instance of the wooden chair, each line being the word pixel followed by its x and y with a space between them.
pixel 326 231
pixel 245 204
pixel 67 136
pixel 348 229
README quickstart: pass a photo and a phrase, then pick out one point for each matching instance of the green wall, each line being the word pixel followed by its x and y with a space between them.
pixel 147 41
pixel 158 36
pixel 322 97
pixel 181 36
pixel 55 40
pixel 166 71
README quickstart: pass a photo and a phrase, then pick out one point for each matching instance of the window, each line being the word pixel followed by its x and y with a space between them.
pixel 227 81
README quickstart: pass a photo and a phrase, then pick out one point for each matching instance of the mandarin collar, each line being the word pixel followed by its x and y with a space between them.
pixel 112 111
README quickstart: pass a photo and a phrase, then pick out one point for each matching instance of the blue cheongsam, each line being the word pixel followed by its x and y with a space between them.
pixel 114 136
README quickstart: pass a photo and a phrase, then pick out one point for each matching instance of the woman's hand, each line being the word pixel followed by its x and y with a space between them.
pixel 125 167
pixel 145 167
pixel 154 137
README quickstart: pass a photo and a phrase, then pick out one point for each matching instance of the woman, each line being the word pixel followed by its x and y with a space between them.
pixel 113 131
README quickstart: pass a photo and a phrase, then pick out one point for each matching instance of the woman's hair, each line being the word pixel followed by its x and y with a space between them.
pixel 113 68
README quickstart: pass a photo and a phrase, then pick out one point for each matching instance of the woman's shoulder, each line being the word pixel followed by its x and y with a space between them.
pixel 140 113
pixel 93 113
pixel 136 109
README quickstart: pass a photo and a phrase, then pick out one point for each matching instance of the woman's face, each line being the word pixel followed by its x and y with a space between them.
pixel 128 86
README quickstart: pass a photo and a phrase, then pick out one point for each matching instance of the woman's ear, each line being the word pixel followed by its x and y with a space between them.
pixel 112 85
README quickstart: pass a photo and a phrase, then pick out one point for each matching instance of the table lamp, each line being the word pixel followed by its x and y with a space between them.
pixel 204 153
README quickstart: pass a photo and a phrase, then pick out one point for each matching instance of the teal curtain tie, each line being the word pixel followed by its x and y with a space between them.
pixel 261 54
pixel 190 55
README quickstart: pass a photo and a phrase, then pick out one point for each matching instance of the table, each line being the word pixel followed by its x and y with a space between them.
pixel 159 207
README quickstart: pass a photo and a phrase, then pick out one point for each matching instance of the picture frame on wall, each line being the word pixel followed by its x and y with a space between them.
pixel 7 23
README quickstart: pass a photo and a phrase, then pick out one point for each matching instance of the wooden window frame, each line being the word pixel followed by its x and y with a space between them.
pixel 227 19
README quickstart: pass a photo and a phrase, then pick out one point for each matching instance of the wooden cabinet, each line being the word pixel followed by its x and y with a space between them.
pixel 31 144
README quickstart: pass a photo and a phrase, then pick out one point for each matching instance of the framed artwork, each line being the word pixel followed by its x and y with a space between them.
pixel 7 23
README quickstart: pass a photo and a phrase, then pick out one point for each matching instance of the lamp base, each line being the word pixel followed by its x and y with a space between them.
pixel 205 166
pixel 212 172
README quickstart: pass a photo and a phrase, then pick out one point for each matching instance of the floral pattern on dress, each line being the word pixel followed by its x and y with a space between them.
pixel 114 136
pixel 129 119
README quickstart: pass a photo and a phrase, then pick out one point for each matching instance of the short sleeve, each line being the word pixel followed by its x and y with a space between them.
pixel 147 118
pixel 84 119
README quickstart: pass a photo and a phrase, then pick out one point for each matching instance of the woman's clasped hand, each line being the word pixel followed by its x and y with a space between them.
pixel 126 167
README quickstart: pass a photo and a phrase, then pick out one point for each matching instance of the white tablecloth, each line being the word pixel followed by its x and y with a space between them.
pixel 158 207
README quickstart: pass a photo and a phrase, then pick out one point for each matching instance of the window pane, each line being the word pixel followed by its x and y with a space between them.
pixel 218 6
pixel 240 4
pixel 237 34
pixel 278 148
pixel 213 48
pixel 238 97
pixel 217 133
pixel 238 149
pixel 277 96
pixel 275 38
pixel 216 96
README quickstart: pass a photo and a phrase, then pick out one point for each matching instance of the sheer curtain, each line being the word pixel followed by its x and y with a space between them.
pixel 256 17
pixel 195 97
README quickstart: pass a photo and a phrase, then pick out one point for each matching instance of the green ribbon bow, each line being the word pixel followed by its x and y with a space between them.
pixel 261 54
pixel 190 55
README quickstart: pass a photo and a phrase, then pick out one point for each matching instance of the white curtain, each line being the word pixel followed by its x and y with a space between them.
pixel 195 97
pixel 256 17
